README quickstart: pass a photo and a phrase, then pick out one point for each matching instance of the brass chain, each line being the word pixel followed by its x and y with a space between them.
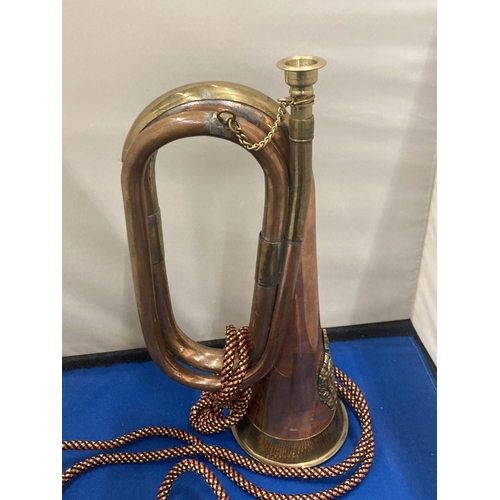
pixel 232 124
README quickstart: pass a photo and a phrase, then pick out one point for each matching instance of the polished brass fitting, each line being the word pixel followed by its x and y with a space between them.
pixel 301 71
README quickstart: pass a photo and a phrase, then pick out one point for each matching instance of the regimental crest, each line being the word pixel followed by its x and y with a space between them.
pixel 327 392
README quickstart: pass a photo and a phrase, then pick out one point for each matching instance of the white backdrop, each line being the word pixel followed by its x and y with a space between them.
pixel 424 315
pixel 374 156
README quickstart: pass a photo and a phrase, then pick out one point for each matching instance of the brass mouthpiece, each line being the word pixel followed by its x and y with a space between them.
pixel 301 70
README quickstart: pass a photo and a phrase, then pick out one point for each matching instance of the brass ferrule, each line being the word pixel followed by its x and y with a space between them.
pixel 301 130
pixel 268 262
pixel 155 238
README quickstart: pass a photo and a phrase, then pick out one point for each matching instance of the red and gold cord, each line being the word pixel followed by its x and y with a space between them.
pixel 207 417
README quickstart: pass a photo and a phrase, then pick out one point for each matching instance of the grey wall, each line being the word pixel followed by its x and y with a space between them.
pixel 374 156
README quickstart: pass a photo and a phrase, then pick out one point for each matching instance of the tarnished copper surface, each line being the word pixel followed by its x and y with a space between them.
pixel 284 403
pixel 157 320
pixel 199 92
pixel 288 360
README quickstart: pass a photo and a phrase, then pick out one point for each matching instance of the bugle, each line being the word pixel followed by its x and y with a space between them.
pixel 294 416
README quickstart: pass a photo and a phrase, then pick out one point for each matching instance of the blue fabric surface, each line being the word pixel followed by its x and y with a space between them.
pixel 106 402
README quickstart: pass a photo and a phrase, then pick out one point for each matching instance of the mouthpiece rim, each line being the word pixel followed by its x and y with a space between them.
pixel 301 63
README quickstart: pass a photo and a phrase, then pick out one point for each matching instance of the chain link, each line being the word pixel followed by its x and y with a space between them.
pixel 232 124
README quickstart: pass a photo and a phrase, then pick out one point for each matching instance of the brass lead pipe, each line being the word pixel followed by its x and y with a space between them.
pixel 294 417
pixel 301 73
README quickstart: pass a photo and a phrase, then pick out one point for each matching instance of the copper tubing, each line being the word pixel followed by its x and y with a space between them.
pixel 294 417
pixel 284 403
pixel 271 306
pixel 150 283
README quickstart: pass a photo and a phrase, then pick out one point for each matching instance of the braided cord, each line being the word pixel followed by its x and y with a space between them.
pixel 208 419
pixel 207 415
